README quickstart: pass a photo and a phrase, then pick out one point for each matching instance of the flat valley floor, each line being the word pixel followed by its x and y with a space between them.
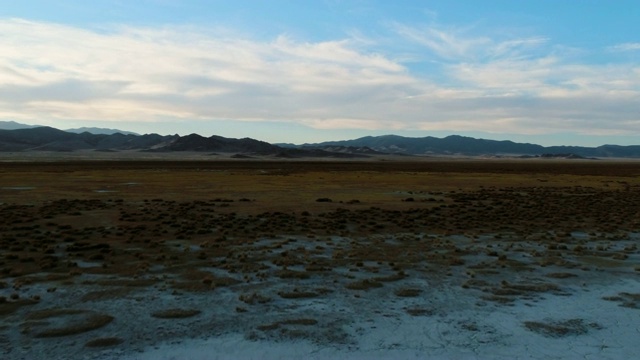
pixel 271 259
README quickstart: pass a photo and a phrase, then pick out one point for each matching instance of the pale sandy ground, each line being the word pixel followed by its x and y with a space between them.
pixel 448 321
pixel 459 330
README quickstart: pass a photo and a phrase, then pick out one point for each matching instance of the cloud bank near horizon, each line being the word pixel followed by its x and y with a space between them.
pixel 415 77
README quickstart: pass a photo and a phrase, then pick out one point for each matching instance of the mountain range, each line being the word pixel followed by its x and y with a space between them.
pixel 456 144
pixel 46 138
pixel 14 138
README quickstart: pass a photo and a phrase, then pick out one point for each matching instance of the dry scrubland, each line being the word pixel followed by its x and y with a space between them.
pixel 103 258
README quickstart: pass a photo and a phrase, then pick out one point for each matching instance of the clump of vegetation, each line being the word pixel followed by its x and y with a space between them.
pixel 561 328
pixel 531 287
pixel 302 321
pixel 419 311
pixel 499 299
pixel 365 284
pixel 291 274
pixel 104 342
pixel 626 299
pixel 8 307
pixel 175 313
pixel 276 325
pixel 561 275
pixel 68 322
pixel 105 294
pixel 407 292
pixel 254 298
pixel 395 277
pixel 297 294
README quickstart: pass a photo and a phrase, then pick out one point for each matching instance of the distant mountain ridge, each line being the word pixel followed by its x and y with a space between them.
pixel 97 131
pixel 462 145
pixel 50 139
pixel 12 125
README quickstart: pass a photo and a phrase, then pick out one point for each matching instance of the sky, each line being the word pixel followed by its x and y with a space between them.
pixel 551 72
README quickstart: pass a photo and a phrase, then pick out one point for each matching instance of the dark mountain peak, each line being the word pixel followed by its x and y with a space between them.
pixel 458 137
pixel 195 142
pixel 41 133
pixel 193 136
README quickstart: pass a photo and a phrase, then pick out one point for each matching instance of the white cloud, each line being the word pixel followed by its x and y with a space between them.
pixel 180 72
pixel 447 44
pixel 51 72
pixel 632 46
pixel 463 45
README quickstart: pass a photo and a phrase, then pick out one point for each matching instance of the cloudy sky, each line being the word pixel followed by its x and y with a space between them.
pixel 545 71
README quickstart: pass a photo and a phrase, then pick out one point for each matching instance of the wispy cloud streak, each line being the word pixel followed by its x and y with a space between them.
pixel 633 46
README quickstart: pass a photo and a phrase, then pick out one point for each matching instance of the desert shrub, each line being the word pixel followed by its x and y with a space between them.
pixel 365 284
pixel 560 328
pixel 418 311
pixel 70 322
pixel 175 313
pixel 303 321
pixel 407 292
pixel 298 294
pixel 104 342
pixel 561 275
pixel 276 325
pixel 291 274
pixel 395 277
pixel 254 298
pixel 537 287
pixel 8 307
pixel 105 294
pixel 499 299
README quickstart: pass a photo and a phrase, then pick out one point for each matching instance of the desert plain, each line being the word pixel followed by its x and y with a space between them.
pixel 403 257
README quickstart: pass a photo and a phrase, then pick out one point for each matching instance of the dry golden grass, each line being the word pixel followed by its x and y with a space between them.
pixel 263 181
